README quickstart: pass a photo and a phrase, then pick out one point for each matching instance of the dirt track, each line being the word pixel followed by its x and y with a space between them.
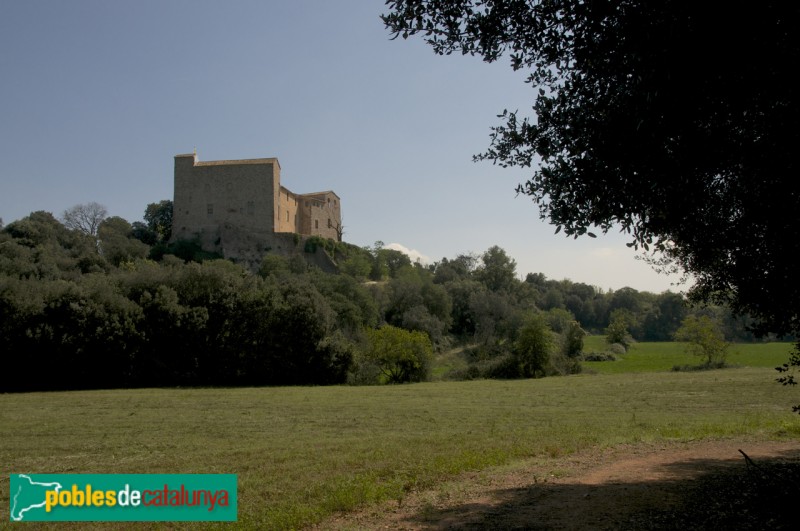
pixel 697 485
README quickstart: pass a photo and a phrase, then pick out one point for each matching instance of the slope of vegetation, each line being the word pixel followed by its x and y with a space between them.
pixel 114 304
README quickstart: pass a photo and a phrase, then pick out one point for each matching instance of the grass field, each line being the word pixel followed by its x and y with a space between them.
pixel 304 453
pixel 652 357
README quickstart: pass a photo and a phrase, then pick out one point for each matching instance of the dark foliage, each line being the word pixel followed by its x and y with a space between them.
pixel 673 121
pixel 102 316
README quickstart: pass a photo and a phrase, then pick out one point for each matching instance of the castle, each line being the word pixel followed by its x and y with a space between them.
pixel 234 205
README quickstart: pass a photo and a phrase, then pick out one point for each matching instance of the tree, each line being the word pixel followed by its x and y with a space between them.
pixel 460 267
pixel 116 242
pixel 143 233
pixel 339 228
pixel 664 318
pixel 85 218
pixel 704 338
pixel 673 121
pixel 558 319
pixel 59 251
pixel 533 347
pixel 572 340
pixel 357 265
pixel 386 263
pixel 789 379
pixel 497 271
pixel 158 217
pixel 617 331
pixel 402 355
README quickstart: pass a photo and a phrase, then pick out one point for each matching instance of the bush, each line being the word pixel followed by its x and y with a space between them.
pixel 599 356
pixel 704 338
pixel 502 367
pixel 617 349
pixel 402 355
pixel 617 331
pixel 364 372
pixel 533 347
pixel 702 367
pixel 470 372
pixel 561 365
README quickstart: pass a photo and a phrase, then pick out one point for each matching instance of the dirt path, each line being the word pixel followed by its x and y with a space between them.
pixel 643 486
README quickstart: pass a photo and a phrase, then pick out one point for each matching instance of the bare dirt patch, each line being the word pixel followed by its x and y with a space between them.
pixel 694 485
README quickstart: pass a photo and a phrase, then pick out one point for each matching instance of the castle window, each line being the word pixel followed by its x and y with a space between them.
pixel 316 223
pixel 329 223
pixel 287 215
pixel 210 209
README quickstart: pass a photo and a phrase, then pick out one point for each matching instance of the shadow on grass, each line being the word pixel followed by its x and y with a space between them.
pixel 695 494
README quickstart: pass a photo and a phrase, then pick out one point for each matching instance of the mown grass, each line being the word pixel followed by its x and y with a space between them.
pixel 662 356
pixel 304 453
pixel 448 361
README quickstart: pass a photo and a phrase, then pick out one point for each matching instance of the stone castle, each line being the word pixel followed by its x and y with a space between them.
pixel 240 206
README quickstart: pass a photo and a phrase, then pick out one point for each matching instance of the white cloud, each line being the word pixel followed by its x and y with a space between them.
pixel 411 253
pixel 602 252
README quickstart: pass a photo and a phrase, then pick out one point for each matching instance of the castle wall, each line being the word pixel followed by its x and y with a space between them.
pixel 321 214
pixel 210 194
pixel 288 211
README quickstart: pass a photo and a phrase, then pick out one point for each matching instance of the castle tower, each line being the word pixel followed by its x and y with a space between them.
pixel 208 195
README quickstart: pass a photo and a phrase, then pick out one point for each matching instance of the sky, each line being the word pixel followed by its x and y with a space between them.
pixel 97 97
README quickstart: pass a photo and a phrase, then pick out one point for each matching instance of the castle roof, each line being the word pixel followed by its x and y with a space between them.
pixel 270 160
pixel 311 194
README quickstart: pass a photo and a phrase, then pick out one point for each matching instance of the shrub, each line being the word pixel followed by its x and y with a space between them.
pixel 402 355
pixel 617 331
pixel 470 372
pixel 702 367
pixel 533 347
pixel 561 365
pixel 599 356
pixel 704 338
pixel 617 349
pixel 572 339
pixel 364 372
pixel 503 367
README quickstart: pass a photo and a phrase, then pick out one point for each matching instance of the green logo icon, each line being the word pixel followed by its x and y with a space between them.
pixel 123 497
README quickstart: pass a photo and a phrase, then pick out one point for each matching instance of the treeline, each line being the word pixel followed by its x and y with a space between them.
pixel 120 306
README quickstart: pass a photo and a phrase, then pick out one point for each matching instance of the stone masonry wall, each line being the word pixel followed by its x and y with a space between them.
pixel 211 194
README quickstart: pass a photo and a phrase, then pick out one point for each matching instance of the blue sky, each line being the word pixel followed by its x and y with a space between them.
pixel 97 97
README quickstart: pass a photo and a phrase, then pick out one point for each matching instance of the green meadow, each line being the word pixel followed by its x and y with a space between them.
pixel 662 356
pixel 305 453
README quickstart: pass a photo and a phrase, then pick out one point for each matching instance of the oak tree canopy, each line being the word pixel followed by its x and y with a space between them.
pixel 675 122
